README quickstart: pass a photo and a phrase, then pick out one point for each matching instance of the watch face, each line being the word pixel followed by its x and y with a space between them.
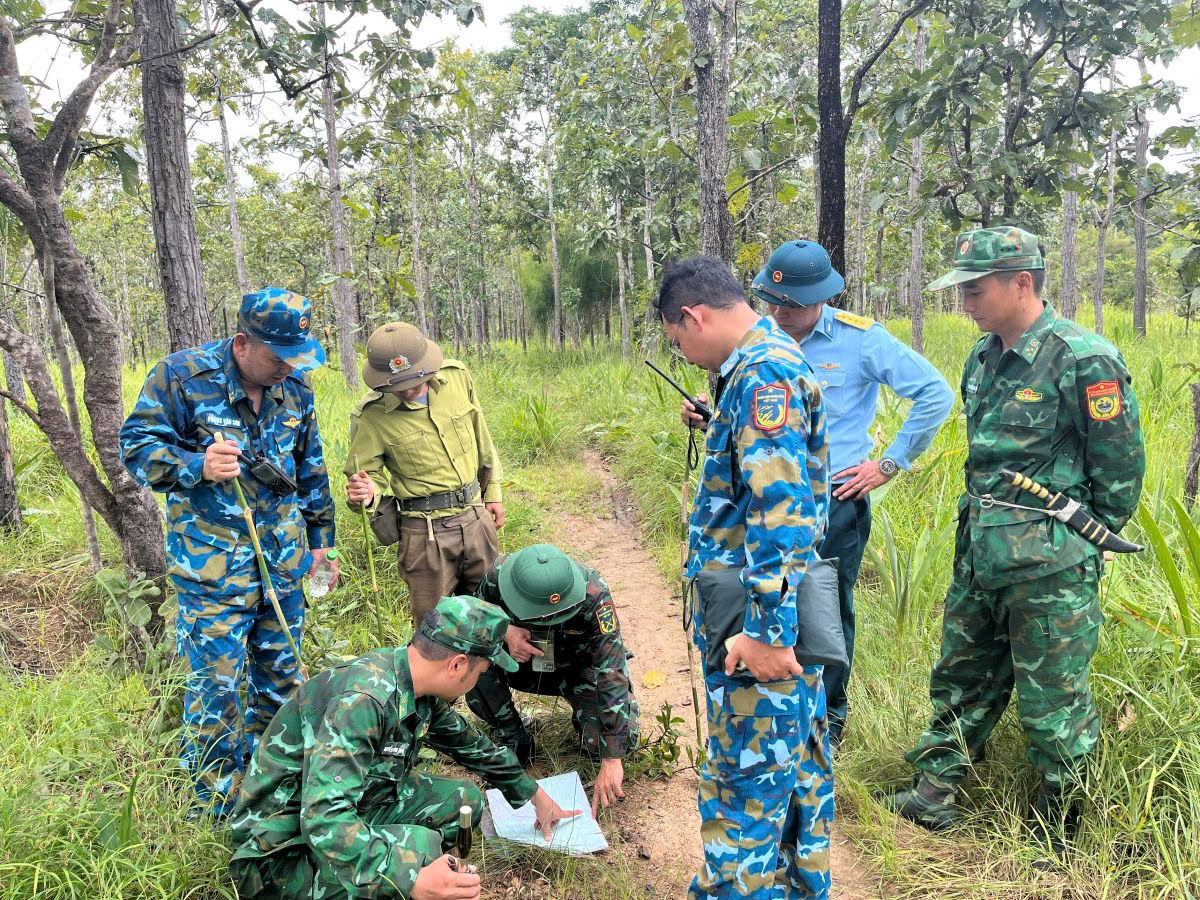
pixel 887 467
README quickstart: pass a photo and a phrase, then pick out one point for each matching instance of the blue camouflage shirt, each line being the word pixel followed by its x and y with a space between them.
pixel 764 491
pixel 851 357
pixel 163 445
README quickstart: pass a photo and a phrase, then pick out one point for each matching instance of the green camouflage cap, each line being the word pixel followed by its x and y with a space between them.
pixel 988 250
pixel 472 626
pixel 541 583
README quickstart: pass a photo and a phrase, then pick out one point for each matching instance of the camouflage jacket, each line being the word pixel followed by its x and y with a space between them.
pixel 344 743
pixel 1059 407
pixel 764 487
pixel 163 447
pixel 589 643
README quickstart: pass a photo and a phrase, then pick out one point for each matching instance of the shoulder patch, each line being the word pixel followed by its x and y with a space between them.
pixel 770 406
pixel 364 402
pixel 861 322
pixel 1104 400
pixel 606 618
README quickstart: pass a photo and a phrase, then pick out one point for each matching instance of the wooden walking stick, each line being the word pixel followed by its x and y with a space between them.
pixel 264 573
pixel 366 526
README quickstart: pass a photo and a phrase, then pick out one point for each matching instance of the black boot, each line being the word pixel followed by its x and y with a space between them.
pixel 520 742
pixel 1054 823
pixel 928 805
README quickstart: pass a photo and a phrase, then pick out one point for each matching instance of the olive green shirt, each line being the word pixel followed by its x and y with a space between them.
pixel 416 449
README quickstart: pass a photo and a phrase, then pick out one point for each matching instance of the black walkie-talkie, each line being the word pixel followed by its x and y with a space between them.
pixel 700 407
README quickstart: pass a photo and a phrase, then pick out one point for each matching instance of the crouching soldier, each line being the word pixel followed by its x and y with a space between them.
pixel 567 642
pixel 332 807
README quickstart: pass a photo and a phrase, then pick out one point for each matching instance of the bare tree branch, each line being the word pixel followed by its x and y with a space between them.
pixel 24 407
pixel 741 187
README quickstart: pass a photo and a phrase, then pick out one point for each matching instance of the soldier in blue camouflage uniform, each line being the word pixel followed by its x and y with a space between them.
pixel 566 638
pixel 766 789
pixel 252 390
pixel 333 806
pixel 1052 401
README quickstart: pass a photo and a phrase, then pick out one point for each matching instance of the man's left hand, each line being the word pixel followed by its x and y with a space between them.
pixel 607 789
pixel 765 662
pixel 859 480
pixel 320 553
pixel 497 511
pixel 549 813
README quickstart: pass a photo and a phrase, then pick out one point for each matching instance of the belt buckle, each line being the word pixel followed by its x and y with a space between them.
pixel 987 501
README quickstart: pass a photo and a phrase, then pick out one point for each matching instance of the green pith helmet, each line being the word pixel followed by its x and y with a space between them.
pixel 542 584
pixel 798 273
pixel 987 250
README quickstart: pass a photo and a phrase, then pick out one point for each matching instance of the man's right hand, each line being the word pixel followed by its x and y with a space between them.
pixel 437 881
pixel 520 647
pixel 221 461
pixel 359 489
pixel 688 414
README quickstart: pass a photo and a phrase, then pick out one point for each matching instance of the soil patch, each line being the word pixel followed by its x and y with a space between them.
pixel 42 627
pixel 658 822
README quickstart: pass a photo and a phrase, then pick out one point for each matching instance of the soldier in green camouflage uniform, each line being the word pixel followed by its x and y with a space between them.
pixel 332 807
pixel 1046 398
pixel 566 638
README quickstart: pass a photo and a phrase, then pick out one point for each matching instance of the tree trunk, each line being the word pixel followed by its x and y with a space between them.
pixel 415 217
pixel 647 217
pixel 1070 282
pixel 1192 470
pixel 14 380
pixel 712 103
pixel 916 290
pixel 858 275
pixel 881 298
pixel 340 257
pixel 1102 229
pixel 831 138
pixel 168 166
pixel 235 225
pixel 622 304
pixel 10 504
pixel 558 309
pixel 1139 215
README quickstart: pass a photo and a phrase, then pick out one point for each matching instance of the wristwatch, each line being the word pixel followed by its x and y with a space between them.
pixel 888 467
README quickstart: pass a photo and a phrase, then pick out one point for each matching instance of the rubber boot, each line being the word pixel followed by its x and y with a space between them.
pixel 927 804
pixel 1054 823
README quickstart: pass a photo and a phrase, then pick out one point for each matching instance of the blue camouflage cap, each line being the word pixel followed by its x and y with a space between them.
pixel 281 320
pixel 798 273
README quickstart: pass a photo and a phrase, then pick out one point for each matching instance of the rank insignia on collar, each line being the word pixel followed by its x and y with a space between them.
pixel 1104 400
pixel 829 366
pixel 1029 395
pixel 770 406
pixel 606 618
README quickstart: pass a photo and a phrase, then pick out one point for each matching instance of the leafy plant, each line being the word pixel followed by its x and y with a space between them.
pixel 907 577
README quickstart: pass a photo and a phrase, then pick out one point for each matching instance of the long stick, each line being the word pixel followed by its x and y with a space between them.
pixel 263 572
pixel 683 580
pixel 366 526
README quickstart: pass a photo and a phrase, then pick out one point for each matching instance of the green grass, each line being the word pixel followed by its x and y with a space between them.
pixel 80 737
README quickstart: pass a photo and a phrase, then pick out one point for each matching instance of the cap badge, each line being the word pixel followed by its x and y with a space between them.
pixel 399 363
pixel 554 598
pixel 303 322
pixel 777 276
pixel 963 248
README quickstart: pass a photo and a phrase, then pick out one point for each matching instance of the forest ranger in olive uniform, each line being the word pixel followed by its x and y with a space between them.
pixel 252 389
pixel 566 637
pixel 423 450
pixel 1054 402
pixel 332 807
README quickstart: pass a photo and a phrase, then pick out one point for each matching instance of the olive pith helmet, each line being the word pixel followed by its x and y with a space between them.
pixel 542 584
pixel 798 273
pixel 399 357
pixel 987 250
pixel 471 626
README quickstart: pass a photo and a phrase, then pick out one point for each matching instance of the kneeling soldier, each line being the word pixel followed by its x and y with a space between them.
pixel 332 807
pixel 567 640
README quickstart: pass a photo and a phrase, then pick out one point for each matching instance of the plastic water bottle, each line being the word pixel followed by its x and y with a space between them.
pixel 319 581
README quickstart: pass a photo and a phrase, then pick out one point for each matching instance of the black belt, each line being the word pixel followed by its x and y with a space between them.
pixel 445 500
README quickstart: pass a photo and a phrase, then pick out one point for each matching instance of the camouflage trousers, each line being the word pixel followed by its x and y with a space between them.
pixel 424 821
pixel 491 699
pixel 766 790
pixel 227 633
pixel 1037 636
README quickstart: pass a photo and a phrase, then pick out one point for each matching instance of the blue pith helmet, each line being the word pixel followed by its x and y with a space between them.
pixel 281 319
pixel 798 273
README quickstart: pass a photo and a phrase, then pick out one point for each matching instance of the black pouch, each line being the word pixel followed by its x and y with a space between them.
pixel 820 640
pixel 386 521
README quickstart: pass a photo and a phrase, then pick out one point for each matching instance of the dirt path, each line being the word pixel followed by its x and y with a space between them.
pixel 658 822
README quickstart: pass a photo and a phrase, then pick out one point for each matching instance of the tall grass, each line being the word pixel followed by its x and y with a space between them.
pixel 84 734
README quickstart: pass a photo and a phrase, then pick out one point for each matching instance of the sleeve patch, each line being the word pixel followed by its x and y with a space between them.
pixel 606 618
pixel 1104 400
pixel 770 406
